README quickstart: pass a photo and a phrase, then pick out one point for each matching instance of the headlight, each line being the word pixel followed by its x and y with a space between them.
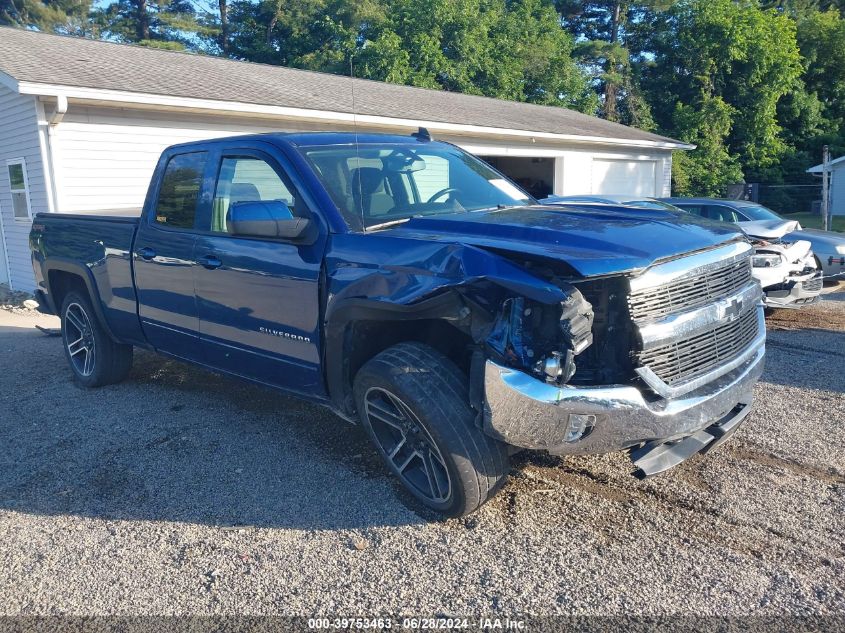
pixel 841 249
pixel 766 261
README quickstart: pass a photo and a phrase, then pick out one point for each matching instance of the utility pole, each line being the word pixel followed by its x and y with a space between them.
pixel 826 219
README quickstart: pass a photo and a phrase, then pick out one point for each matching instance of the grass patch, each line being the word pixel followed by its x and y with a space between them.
pixel 813 221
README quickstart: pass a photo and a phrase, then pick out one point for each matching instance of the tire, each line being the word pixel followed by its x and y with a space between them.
pixel 94 358
pixel 414 404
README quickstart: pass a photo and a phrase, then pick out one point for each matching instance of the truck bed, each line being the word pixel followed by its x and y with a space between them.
pixel 96 247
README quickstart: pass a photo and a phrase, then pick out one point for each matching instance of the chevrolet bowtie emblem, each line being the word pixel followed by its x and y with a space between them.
pixel 733 309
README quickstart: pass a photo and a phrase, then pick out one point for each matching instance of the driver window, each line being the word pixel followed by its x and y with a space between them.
pixel 249 179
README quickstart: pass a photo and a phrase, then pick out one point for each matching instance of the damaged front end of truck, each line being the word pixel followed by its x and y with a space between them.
pixel 660 360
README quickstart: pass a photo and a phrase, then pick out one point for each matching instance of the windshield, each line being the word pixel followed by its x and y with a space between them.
pixel 377 184
pixel 757 212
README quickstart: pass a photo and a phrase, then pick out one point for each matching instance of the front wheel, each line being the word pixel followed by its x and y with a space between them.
pixel 93 356
pixel 414 404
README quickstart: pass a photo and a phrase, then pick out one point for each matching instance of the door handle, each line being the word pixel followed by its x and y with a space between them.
pixel 147 253
pixel 210 262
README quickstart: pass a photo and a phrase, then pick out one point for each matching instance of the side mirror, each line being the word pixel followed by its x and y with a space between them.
pixel 267 218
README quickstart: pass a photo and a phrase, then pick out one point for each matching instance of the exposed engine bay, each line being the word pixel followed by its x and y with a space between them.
pixel 585 339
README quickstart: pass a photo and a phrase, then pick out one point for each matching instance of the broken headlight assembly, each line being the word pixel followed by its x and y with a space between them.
pixel 766 260
pixel 543 339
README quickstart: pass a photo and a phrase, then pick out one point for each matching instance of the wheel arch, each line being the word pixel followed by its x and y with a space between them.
pixel 62 276
pixel 359 329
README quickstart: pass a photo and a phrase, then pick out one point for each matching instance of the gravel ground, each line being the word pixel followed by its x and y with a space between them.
pixel 182 492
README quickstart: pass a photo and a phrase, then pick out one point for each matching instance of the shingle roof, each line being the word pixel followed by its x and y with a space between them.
pixel 32 57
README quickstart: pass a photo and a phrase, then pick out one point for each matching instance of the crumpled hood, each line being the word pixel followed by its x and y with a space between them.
pixel 594 241
pixel 769 229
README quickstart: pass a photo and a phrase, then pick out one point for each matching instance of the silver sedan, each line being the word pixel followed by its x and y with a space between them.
pixel 828 246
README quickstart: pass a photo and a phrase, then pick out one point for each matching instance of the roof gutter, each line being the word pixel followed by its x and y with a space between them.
pixel 97 95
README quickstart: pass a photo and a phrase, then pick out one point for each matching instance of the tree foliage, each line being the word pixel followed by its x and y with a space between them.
pixel 511 50
pixel 168 24
pixel 602 29
pixel 57 16
pixel 757 85
pixel 723 56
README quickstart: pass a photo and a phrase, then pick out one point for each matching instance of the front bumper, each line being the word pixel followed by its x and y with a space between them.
pixel 795 292
pixel 525 412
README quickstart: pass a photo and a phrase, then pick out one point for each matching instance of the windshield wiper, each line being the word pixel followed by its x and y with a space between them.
pixel 384 225
pixel 500 207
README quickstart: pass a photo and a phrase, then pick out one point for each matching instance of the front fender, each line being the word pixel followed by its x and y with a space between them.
pixel 395 279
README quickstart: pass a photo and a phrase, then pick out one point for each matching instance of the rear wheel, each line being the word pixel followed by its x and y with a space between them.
pixel 414 404
pixel 93 356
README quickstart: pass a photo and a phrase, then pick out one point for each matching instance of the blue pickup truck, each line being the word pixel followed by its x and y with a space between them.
pixel 405 284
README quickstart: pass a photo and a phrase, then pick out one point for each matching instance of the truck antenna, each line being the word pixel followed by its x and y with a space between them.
pixel 422 134
pixel 357 150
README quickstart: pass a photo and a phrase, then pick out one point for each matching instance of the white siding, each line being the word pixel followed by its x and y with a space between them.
pixel 4 262
pixel 592 172
pixel 837 190
pixel 573 169
pixel 19 139
pixel 104 157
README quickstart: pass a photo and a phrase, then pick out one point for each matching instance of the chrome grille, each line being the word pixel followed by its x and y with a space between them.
pixel 693 292
pixel 688 358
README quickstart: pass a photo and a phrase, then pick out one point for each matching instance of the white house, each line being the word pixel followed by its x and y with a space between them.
pixel 82 123
pixel 837 184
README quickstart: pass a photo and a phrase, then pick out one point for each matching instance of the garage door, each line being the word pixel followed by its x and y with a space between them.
pixel 626 177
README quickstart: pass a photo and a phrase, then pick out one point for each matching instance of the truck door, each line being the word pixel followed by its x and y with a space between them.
pixel 164 257
pixel 258 298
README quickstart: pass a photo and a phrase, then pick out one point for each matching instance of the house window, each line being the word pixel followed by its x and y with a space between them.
pixel 19 188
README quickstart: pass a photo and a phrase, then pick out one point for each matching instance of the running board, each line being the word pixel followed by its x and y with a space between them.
pixel 658 456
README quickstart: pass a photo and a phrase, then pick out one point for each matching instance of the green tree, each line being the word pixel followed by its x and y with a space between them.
pixel 730 63
pixel 58 16
pixel 314 34
pixel 710 167
pixel 508 49
pixel 821 38
pixel 602 28
pixel 169 24
pixel 801 8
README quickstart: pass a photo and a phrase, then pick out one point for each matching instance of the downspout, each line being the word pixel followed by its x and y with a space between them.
pixel 55 117
pixel 59 111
